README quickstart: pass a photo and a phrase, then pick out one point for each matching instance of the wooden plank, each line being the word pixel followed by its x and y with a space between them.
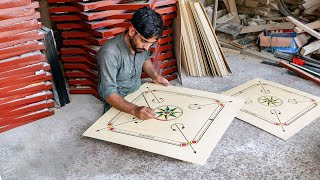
pixel 310 48
pixel 313 25
pixel 251 3
pixel 310 4
pixel 234 11
pixel 268 41
pixel 228 51
pixel 302 73
pixel 302 40
pixel 226 3
pixel 215 12
pixel 312 9
pixel 259 28
pixel 304 27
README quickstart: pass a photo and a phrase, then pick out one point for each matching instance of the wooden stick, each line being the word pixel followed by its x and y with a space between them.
pixel 302 73
pixel 313 25
pixel 215 10
pixel 304 27
pixel 310 48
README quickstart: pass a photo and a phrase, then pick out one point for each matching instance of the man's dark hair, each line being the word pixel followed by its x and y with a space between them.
pixel 147 22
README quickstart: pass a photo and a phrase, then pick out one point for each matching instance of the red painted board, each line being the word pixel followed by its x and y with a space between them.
pixel 91 49
pixel 64 9
pixel 28 108
pixel 16 62
pixel 72 51
pixel 89 16
pixel 22 13
pixel 74 59
pixel 82 82
pixel 75 42
pixel 164 3
pixel 85 6
pixel 18 36
pixel 28 89
pixel 75 34
pixel 76 74
pixel 13 123
pixel 84 90
pixel 102 23
pixel 22 40
pixel 30 68
pixel 16 26
pixel 128 6
pixel 63 1
pixel 21 49
pixel 23 99
pixel 105 33
pixel 20 85
pixel 11 9
pixel 9 81
pixel 64 18
pixel 165 10
pixel 13 3
pixel 7 22
pixel 97 40
pixel 12 32
pixel 67 26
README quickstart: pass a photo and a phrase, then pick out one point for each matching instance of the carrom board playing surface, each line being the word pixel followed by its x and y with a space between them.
pixel 275 108
pixel 187 126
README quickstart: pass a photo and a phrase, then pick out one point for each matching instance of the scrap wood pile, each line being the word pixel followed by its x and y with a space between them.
pixel 200 50
pixel 287 29
pixel 85 25
pixel 27 88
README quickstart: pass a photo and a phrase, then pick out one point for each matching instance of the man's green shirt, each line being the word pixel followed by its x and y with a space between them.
pixel 119 70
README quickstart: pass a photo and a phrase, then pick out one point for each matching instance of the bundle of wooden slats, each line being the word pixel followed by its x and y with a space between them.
pixel 87 25
pixel 201 54
pixel 25 81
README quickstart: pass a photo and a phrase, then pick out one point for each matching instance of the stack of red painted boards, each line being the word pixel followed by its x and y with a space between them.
pixel 86 25
pixel 25 81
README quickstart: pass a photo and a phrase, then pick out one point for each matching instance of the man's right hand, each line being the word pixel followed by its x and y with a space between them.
pixel 144 113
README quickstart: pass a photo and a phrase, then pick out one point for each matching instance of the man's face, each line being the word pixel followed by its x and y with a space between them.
pixel 141 44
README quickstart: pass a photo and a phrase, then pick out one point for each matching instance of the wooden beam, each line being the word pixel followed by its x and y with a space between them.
pixel 302 73
pixel 228 51
pixel 304 27
pixel 259 28
pixel 268 41
pixel 309 4
pixel 313 25
pixel 215 13
pixel 310 48
pixel 301 40
pixel 226 3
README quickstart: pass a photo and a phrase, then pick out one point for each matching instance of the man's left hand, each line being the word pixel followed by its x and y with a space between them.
pixel 161 80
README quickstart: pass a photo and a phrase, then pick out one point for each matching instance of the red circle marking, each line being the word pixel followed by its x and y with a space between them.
pixel 194 142
pixel 111 129
pixel 217 101
pixel 183 144
pixel 222 105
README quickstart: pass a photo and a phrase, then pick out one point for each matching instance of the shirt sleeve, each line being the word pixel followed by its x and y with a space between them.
pixel 147 55
pixel 108 73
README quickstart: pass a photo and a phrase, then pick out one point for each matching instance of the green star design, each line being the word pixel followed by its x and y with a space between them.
pixel 167 112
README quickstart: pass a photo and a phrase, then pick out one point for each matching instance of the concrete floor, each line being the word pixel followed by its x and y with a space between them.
pixel 53 148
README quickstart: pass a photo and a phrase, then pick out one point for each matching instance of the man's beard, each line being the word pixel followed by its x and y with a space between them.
pixel 134 47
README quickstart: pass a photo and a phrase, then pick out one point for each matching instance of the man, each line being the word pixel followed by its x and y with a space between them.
pixel 122 59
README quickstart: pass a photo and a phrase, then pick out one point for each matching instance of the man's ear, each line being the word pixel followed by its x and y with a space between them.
pixel 131 31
